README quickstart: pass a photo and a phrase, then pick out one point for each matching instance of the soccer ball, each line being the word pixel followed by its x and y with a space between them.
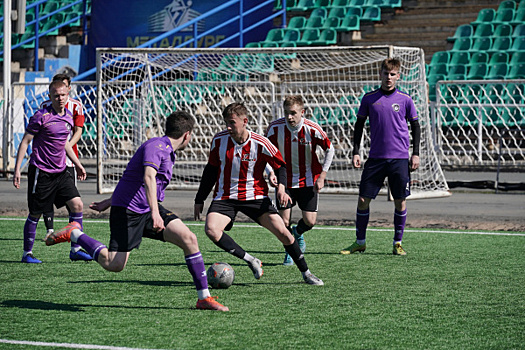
pixel 220 275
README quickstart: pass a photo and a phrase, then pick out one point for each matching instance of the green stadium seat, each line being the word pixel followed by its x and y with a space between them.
pixel 507 4
pixel 518 31
pixel 274 35
pixel 358 3
pixel 350 23
pixel 354 10
pixel 477 71
pixel 277 5
pixel 479 57
pixel 264 63
pixel 372 14
pixel 516 71
pixel 519 17
pixel 319 11
pixel 340 3
pixel 500 44
pixel 269 44
pixel 460 57
pixel 47 27
pixel 327 37
pixel 378 3
pixel 484 16
pixel 303 5
pixel 246 62
pixel 463 31
pixel 440 57
pixel 517 57
pixel 462 44
pixel 314 22
pixel 395 3
pixel 439 68
pixel 332 22
pixel 290 35
pixel 309 35
pixel 521 5
pixel 48 7
pixel 499 57
pixel 481 45
pixel 252 45
pixel 290 4
pixel 339 12
pixel 322 3
pixel 456 76
pixel 298 22
pixel 228 62
pixel 502 30
pixel 518 44
pixel 497 71
pixel 457 69
pixel 483 30
pixel 504 16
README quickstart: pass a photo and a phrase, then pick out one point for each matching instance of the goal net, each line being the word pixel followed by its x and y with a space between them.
pixel 139 88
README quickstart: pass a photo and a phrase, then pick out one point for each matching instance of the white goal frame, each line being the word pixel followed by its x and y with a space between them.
pixel 138 88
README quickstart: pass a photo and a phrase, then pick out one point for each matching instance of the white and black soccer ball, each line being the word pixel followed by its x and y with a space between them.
pixel 220 275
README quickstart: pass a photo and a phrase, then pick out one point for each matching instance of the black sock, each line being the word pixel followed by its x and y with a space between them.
pixel 48 220
pixel 227 244
pixel 302 227
pixel 295 252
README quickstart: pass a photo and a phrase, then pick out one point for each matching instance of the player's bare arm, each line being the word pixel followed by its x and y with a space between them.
pixel 319 184
pixel 414 162
pixel 150 183
pixel 22 149
pixel 81 172
pixel 101 206
pixel 77 133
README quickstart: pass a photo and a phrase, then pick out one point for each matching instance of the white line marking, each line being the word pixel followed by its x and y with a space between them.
pixel 69 345
pixel 349 228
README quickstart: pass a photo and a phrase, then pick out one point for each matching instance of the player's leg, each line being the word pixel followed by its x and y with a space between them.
pixel 29 239
pixel 178 233
pixel 286 214
pixel 308 201
pixel 49 218
pixel 274 223
pixel 75 207
pixel 399 181
pixel 220 215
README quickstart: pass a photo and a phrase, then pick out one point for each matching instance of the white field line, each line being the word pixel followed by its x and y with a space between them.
pixel 334 228
pixel 69 345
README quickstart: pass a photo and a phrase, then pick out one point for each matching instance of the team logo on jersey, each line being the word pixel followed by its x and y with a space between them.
pixel 246 158
pixel 301 141
pixel 396 107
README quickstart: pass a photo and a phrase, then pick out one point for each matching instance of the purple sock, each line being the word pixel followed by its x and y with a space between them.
pixel 197 269
pixel 91 245
pixel 29 233
pixel 78 218
pixel 400 217
pixel 361 222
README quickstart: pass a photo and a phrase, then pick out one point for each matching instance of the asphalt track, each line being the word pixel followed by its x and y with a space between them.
pixel 464 209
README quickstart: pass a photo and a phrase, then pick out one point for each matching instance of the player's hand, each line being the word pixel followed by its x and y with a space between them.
pixel 16 179
pixel 273 179
pixel 101 206
pixel 319 184
pixel 81 172
pixel 158 223
pixel 283 197
pixel 357 161
pixel 197 211
pixel 414 162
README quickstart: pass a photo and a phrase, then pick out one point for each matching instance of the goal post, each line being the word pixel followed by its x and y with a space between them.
pixel 139 88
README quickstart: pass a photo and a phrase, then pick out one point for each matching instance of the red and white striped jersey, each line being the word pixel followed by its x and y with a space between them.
pixel 76 108
pixel 241 166
pixel 298 147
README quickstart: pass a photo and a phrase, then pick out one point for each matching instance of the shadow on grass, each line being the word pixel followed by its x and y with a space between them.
pixel 46 305
pixel 142 283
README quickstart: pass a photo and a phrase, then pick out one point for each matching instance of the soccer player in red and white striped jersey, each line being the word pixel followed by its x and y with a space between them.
pixel 76 108
pixel 236 165
pixel 298 139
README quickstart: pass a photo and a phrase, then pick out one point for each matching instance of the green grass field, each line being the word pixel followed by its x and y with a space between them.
pixel 454 290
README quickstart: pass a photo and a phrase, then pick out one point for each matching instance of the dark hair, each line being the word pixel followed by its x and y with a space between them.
pixel 62 77
pixel 392 63
pixel 55 84
pixel 236 108
pixel 178 123
pixel 294 100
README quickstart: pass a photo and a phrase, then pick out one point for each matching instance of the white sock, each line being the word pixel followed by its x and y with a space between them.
pixel 203 294
pixel 75 234
pixel 395 242
pixel 248 257
pixel 27 253
pixel 50 231
pixel 360 241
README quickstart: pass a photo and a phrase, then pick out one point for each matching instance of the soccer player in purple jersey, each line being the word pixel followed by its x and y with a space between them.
pixel 49 181
pixel 136 211
pixel 388 110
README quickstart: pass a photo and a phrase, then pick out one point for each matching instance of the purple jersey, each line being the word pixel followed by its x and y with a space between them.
pixel 51 132
pixel 130 191
pixel 388 115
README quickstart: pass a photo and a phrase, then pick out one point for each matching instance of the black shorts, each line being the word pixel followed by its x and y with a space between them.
pixel 45 189
pixel 127 228
pixel 375 172
pixel 305 197
pixel 253 209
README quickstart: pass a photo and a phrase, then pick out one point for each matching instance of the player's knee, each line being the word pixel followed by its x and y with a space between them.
pixel 76 205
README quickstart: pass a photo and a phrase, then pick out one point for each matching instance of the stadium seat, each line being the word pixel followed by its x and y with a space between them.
pixel 518 44
pixel 340 3
pixel 270 43
pixel 395 3
pixel 327 37
pixel 274 35
pixel 331 22
pixel 264 63
pixel 497 71
pixel 460 57
pixel 277 5
pixel 298 22
pixel 378 3
pixel 319 11
pixel 354 10
pixel 372 14
pixel 339 12
pixel 290 35
pixel 519 17
pixel 438 68
pixel 517 57
pixel 290 4
pixel 457 72
pixel 485 16
pixel 507 4
pixel 462 44
pixel 358 3
pixel 322 3
pixel 477 71
pixel 303 5
pixel 482 45
pixel 314 22
pixel 48 27
pixel 440 57
pixel 254 44
pixel 516 71
pixel 228 62
pixel 500 44
pixel 504 16
pixel 350 23
pixel 502 30
pixel 463 31
pixel 308 37
pixel 499 57
pixel 483 30
pixel 518 31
